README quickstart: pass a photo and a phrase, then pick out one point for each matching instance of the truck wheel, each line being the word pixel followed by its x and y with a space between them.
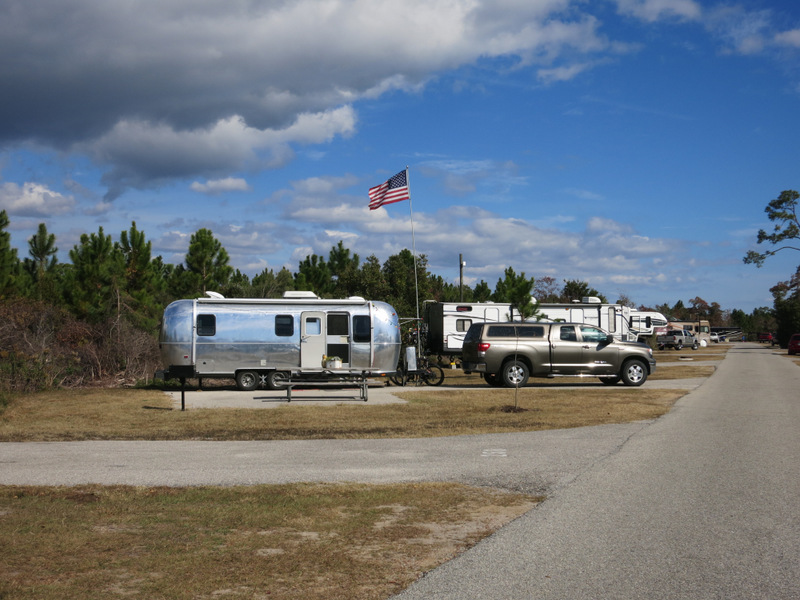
pixel 276 380
pixel 514 374
pixel 247 381
pixel 678 346
pixel 634 372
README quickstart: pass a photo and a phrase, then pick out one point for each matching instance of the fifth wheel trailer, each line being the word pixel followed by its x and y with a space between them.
pixel 270 341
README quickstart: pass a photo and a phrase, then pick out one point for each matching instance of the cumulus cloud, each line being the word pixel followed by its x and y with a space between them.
pixel 220 186
pixel 653 10
pixel 34 200
pixel 789 38
pixel 156 90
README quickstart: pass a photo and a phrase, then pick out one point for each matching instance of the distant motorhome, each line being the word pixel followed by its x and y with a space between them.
pixel 271 341
pixel 701 329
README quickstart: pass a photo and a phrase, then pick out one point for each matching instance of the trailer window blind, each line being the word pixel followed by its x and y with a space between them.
pixel 284 325
pixel 206 325
pixel 361 328
pixel 463 324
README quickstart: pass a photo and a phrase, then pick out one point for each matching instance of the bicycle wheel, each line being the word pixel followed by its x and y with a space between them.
pixel 434 375
pixel 398 377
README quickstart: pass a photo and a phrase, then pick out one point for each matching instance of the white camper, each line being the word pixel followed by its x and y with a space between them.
pixel 648 323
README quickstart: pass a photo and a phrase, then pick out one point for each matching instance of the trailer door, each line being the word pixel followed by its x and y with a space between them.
pixel 312 339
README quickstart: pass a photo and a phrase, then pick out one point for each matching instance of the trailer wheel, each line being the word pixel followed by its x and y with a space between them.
pixel 247 381
pixel 277 380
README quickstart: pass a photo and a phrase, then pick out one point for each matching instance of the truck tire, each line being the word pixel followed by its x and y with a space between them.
pixel 276 380
pixel 514 373
pixel 634 372
pixel 678 345
pixel 493 379
pixel 610 380
pixel 247 381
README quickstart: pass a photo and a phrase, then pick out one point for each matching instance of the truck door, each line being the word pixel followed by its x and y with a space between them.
pixel 566 350
pixel 312 339
pixel 598 355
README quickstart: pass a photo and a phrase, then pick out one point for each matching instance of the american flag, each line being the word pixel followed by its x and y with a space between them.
pixel 395 189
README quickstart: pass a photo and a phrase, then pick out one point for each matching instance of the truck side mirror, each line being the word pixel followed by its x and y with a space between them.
pixel 609 339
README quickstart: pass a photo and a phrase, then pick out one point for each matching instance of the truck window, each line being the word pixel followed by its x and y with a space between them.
pixel 463 324
pixel 361 328
pixel 531 332
pixel 206 325
pixel 568 334
pixel 474 333
pixel 501 331
pixel 284 325
pixel 592 334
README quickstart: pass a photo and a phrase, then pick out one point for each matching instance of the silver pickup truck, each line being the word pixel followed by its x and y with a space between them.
pixel 507 354
pixel 677 338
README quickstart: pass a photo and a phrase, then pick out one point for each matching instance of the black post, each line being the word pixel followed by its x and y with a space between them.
pixel 183 393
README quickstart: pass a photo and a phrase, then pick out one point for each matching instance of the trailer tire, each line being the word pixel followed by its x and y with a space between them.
pixel 247 381
pixel 277 380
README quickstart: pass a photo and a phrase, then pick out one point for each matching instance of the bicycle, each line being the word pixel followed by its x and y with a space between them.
pixel 426 373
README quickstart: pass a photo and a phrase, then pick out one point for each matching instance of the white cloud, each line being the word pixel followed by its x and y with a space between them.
pixel 220 186
pixel 654 10
pixel 34 200
pixel 789 38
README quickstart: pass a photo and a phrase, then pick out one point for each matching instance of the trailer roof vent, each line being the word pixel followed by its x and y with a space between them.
pixel 300 294
pixel 591 300
pixel 357 298
pixel 215 295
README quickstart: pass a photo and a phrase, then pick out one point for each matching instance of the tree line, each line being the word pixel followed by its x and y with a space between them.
pixel 96 318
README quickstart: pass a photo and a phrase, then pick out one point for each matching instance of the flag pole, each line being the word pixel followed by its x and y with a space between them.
pixel 414 252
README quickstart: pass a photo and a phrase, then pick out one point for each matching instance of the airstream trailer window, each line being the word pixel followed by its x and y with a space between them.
pixel 337 324
pixel 206 324
pixel 284 325
pixel 313 325
pixel 361 327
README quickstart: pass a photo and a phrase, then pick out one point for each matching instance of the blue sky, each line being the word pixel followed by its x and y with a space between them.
pixel 632 144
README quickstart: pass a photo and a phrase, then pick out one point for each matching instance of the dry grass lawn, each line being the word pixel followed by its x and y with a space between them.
pixel 290 541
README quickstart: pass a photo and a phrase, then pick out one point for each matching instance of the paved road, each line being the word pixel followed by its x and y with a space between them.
pixel 703 503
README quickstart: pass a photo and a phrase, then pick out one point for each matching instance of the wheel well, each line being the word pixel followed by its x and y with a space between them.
pixel 519 358
pixel 636 358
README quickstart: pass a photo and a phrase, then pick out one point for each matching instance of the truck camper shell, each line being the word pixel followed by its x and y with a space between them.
pixel 273 342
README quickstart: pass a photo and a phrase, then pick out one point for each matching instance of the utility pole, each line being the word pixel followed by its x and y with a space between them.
pixel 461 265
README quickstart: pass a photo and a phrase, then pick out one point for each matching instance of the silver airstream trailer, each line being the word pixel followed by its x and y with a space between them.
pixel 271 341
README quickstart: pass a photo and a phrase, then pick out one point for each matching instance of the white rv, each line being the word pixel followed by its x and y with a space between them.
pixel 446 323
pixel 270 341
pixel 648 323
